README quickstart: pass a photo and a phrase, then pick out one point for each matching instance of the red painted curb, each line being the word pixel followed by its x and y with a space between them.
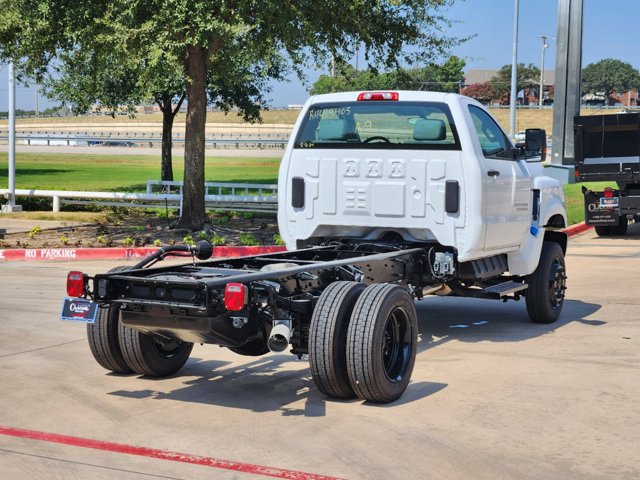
pixel 17 254
pixel 577 229
pixel 161 454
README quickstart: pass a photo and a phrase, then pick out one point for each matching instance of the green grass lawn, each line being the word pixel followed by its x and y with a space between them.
pixel 125 173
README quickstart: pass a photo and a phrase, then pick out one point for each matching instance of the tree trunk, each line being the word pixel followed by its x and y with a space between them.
pixel 166 174
pixel 193 211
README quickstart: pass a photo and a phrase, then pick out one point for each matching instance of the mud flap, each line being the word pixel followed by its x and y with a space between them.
pixel 597 215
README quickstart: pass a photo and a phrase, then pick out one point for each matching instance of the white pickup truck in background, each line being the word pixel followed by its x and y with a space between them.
pixel 385 197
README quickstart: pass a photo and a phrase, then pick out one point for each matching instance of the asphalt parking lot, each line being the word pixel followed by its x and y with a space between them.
pixel 493 396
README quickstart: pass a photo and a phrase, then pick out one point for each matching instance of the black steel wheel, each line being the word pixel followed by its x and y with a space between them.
pixel 103 337
pixel 381 343
pixel 328 338
pixel 547 285
pixel 147 355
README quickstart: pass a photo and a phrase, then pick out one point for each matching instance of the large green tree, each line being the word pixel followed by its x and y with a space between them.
pixel 527 76
pixel 608 76
pixel 205 36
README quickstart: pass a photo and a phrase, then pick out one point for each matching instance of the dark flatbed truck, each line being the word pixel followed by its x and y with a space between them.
pixel 607 148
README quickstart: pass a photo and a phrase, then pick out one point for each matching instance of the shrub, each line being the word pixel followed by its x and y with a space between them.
pixel 35 231
pixel 217 240
pixel 247 239
pixel 277 239
pixel 128 242
pixel 188 240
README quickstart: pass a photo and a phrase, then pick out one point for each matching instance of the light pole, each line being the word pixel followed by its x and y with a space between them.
pixel 545 45
pixel 11 206
pixel 514 73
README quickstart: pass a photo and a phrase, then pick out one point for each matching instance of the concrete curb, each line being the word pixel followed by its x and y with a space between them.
pixel 18 254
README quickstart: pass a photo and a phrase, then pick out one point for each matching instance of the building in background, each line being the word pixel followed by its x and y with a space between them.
pixel 479 78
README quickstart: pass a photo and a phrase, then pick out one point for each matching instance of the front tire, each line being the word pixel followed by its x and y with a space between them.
pixel 603 231
pixel 547 284
pixel 328 339
pixel 103 337
pixel 146 355
pixel 381 343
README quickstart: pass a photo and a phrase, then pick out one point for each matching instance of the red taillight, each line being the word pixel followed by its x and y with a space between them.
pixel 373 96
pixel 235 296
pixel 75 284
pixel 608 192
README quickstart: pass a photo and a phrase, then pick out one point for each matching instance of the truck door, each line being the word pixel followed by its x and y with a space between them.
pixel 506 184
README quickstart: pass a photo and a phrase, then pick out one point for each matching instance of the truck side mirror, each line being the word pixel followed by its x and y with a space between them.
pixel 535 143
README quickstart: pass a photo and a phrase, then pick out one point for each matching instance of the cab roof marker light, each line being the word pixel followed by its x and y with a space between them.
pixel 377 96
pixel 75 284
pixel 235 296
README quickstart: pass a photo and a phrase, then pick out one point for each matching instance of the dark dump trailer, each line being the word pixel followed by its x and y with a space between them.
pixel 607 148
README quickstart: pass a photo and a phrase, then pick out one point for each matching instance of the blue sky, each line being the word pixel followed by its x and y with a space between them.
pixel 609 31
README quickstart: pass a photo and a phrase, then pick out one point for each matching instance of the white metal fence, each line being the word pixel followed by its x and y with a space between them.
pixel 229 196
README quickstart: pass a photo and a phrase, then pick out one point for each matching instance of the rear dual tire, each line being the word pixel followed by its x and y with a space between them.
pixel 121 349
pixel 363 341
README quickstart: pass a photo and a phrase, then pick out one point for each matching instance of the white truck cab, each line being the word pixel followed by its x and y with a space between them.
pixel 417 166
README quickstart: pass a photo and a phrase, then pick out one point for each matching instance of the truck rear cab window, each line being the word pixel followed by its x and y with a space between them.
pixel 493 142
pixel 380 125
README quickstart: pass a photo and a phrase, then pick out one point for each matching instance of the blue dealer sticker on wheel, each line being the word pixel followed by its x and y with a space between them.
pixel 79 310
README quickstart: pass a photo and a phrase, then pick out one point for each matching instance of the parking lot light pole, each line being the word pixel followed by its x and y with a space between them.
pixel 514 73
pixel 11 204
pixel 545 45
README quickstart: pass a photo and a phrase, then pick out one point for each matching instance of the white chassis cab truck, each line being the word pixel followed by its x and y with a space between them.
pixel 385 197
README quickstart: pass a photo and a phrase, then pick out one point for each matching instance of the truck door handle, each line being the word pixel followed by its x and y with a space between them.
pixel 493 173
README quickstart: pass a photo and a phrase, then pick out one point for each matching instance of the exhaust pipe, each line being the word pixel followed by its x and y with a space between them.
pixel 279 337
